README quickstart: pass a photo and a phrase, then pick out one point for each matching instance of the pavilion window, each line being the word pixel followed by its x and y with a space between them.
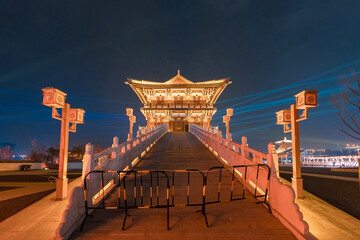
pixel 179 103
pixel 161 103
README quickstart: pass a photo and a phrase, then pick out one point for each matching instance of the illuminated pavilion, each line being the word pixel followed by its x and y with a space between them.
pixel 178 101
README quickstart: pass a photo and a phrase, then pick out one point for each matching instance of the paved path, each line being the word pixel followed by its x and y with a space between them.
pixel 326 221
pixel 22 188
pixel 351 179
pixel 242 219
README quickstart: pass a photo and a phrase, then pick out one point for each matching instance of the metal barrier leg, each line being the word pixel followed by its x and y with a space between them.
pixel 173 188
pixel 232 183
pixel 126 210
pixel 141 189
pixel 119 189
pixel 135 202
pixel 86 206
pixel 257 178
pixel 204 201
pixel 266 190
pixel 150 189
pixel 168 205
pixel 219 189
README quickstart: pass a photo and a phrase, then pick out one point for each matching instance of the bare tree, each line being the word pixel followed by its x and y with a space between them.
pixel 348 104
pixel 6 152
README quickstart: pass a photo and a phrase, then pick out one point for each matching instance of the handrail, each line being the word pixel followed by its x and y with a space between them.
pixel 281 197
pixel 130 151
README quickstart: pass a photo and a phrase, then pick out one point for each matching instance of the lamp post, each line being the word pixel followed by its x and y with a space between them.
pixel 132 119
pixel 55 98
pixel 226 120
pixel 304 100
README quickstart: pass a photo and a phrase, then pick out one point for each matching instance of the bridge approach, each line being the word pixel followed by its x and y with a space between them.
pixel 241 219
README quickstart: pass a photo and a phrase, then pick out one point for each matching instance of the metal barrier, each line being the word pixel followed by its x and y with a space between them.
pixel 126 201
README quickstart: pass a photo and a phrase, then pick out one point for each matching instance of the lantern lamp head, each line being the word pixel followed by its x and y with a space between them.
pixel 129 112
pixel 306 99
pixel 53 97
pixel 226 118
pixel 230 112
pixel 283 117
pixel 76 115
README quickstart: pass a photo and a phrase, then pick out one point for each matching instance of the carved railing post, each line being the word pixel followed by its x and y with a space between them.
pixel 115 145
pixel 273 160
pixel 244 153
pixel 88 160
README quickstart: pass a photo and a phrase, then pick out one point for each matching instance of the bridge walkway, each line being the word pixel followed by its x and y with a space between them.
pixel 243 219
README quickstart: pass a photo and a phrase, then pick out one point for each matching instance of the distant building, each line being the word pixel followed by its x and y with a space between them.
pixel 318 151
pixel 353 147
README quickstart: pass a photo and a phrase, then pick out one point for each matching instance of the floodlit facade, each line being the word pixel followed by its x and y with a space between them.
pixel 178 101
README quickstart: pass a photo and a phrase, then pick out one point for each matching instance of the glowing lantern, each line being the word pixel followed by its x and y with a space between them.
pixel 306 99
pixel 283 117
pixel 226 118
pixel 76 115
pixel 129 112
pixel 229 112
pixel 53 97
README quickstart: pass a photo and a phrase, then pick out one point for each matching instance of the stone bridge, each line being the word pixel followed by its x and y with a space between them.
pixel 158 185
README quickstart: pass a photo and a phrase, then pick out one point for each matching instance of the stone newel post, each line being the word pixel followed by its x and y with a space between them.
pixel 244 144
pixel 115 144
pixel 88 160
pixel 273 161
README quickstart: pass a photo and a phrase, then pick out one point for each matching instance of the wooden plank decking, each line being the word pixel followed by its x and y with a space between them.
pixel 243 219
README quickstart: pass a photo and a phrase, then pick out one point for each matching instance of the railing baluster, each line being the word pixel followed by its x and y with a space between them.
pixel 257 177
pixel 157 188
pixel 219 189
pixel 135 202
pixel 103 189
pixel 141 189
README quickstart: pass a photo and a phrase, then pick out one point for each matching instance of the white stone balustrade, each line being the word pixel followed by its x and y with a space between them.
pixel 280 196
pixel 117 157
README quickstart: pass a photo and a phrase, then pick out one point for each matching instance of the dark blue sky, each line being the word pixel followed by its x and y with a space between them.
pixel 88 49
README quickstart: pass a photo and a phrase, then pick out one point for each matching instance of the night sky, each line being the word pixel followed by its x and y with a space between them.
pixel 271 50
